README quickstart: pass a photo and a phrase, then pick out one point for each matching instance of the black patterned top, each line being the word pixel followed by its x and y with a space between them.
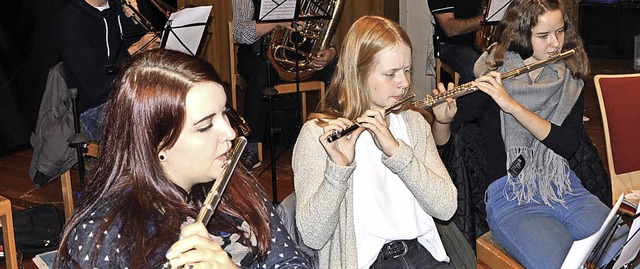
pixel 284 253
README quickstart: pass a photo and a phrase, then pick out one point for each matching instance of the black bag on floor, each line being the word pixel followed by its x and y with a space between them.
pixel 37 229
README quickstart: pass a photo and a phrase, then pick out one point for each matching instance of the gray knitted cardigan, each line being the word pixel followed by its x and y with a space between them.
pixel 324 190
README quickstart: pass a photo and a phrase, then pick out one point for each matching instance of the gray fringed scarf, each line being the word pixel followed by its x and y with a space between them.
pixel 552 97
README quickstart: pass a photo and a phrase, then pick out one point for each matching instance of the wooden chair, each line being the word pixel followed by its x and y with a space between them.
pixel 65 179
pixel 440 66
pixel 236 79
pixel 9 245
pixel 280 89
pixel 492 255
pixel 619 96
pixel 304 88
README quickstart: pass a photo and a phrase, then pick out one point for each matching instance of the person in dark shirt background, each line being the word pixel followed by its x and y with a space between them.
pixel 456 23
pixel 94 37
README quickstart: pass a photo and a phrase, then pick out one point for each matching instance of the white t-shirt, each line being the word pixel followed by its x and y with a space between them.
pixel 384 208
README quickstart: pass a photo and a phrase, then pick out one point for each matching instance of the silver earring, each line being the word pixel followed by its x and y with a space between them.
pixel 162 157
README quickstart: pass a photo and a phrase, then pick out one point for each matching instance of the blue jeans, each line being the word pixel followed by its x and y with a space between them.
pixel 461 59
pixel 540 236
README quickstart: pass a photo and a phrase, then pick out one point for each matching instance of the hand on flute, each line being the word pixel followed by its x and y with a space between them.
pixel 346 131
pixel 375 122
pixel 444 112
pixel 196 249
pixel 491 84
pixel 340 151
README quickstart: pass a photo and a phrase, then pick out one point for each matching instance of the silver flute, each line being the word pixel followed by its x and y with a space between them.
pixel 464 89
pixel 214 196
pixel 337 135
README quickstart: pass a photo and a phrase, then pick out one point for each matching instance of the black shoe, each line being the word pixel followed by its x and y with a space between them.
pixel 250 160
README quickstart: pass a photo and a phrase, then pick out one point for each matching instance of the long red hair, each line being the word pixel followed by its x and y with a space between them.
pixel 145 114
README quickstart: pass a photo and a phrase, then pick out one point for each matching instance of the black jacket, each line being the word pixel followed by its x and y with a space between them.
pixel 91 41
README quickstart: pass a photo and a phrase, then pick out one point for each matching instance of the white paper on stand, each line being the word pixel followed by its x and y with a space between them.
pixel 496 10
pixel 581 249
pixel 277 10
pixel 190 35
pixel 630 250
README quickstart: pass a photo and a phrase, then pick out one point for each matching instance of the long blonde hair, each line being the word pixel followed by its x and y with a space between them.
pixel 347 96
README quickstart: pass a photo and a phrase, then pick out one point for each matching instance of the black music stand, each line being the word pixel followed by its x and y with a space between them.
pixel 495 11
pixel 588 252
pixel 185 30
pixel 272 11
pixel 628 252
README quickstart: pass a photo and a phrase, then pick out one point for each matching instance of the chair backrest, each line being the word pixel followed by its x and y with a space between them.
pixel 92 149
pixel 6 218
pixel 232 67
pixel 304 87
pixel 236 79
pixel 442 66
pixel 619 98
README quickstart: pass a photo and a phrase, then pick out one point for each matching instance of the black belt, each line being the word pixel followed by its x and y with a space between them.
pixel 396 249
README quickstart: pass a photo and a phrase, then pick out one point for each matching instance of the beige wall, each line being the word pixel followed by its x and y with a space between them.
pixel 216 50
pixel 415 18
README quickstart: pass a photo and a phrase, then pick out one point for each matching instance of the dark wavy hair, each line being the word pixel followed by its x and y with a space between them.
pixel 513 33
pixel 145 114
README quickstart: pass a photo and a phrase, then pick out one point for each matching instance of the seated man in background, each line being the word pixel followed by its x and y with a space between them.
pixel 456 23
pixel 94 37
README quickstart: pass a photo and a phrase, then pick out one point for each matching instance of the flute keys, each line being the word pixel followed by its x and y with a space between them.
pixel 335 135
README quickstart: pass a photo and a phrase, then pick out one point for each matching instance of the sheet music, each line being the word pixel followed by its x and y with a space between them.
pixel 191 36
pixel 632 247
pixel 496 10
pixel 581 249
pixel 272 10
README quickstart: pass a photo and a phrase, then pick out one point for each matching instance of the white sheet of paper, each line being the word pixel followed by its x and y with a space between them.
pixel 277 10
pixel 496 10
pixel 190 36
pixel 630 250
pixel 581 249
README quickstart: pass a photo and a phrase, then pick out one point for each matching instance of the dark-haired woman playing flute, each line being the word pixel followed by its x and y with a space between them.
pixel 166 139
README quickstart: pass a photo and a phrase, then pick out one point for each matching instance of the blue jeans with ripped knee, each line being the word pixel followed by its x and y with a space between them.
pixel 540 236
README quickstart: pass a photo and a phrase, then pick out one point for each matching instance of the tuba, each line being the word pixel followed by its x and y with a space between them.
pixel 291 52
